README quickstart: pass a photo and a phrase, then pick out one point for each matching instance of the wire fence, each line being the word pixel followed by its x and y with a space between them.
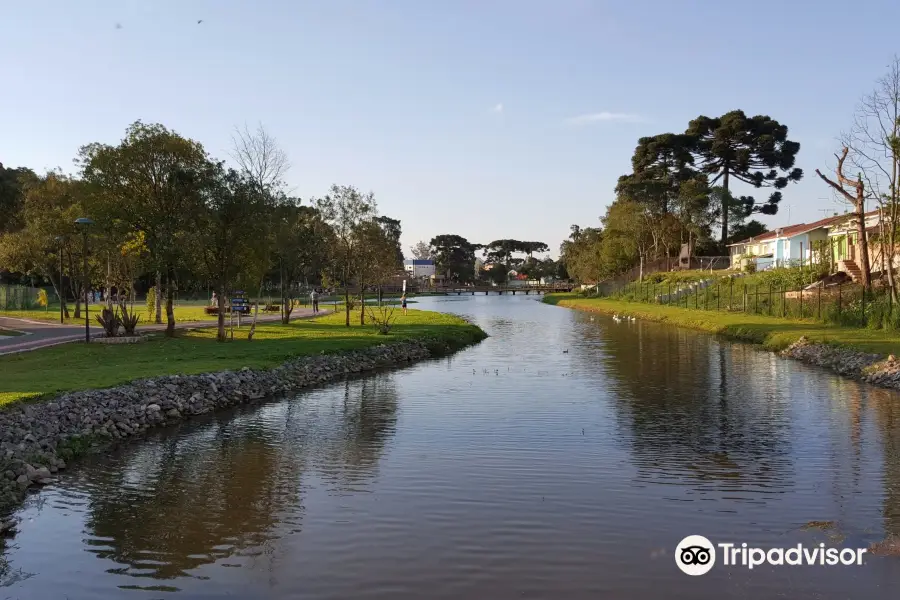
pixel 21 297
pixel 841 303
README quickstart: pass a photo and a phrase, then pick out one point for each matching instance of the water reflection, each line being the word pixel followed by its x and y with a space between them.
pixel 693 407
pixel 564 457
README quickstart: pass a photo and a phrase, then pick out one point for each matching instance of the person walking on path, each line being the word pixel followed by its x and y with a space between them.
pixel 314 297
pixel 403 303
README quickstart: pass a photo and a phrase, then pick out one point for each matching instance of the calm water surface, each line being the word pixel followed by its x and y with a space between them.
pixel 514 469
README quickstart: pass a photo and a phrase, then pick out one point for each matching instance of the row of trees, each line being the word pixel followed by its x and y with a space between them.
pixel 456 258
pixel 166 211
pixel 680 192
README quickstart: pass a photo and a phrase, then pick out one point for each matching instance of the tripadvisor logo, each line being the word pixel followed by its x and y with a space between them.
pixel 696 555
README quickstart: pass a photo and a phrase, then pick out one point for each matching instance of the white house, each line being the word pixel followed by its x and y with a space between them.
pixel 419 269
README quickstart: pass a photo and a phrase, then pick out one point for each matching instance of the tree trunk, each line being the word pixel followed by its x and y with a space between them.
pixel 170 303
pixel 57 287
pixel 362 303
pixel 220 306
pixel 108 281
pixel 158 292
pixel 347 305
pixel 864 267
pixel 725 206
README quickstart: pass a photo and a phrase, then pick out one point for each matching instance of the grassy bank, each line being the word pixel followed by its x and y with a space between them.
pixel 772 332
pixel 75 366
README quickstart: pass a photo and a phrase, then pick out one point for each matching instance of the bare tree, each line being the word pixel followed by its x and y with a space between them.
pixel 421 251
pixel 260 157
pixel 858 199
pixel 874 151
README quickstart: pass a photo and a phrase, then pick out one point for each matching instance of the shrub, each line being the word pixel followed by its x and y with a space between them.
pixel 128 320
pixel 42 298
pixel 110 322
pixel 151 301
pixel 382 317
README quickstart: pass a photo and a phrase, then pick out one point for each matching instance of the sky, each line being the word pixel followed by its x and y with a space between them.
pixel 489 119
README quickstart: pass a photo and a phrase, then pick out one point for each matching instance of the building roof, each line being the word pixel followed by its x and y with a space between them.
pixel 792 230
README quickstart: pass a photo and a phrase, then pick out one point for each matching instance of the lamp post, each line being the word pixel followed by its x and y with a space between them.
pixel 83 223
pixel 59 240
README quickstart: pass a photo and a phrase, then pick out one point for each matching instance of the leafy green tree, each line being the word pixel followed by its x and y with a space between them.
pixel 754 150
pixel 661 165
pixel 344 208
pixel 376 259
pixel 47 244
pixel 227 228
pixel 302 247
pixel 454 256
pixel 582 254
pixel 11 181
pixel 391 228
pixel 149 181
pixel 747 230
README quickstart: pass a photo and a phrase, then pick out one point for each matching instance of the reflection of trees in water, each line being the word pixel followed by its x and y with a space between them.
pixel 695 406
pixel 229 487
pixel 887 413
pixel 367 417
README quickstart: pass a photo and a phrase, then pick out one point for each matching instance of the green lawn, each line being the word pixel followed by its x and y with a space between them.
pixel 774 333
pixel 79 366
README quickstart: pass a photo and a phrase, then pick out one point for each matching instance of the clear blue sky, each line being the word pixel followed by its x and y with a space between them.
pixel 461 115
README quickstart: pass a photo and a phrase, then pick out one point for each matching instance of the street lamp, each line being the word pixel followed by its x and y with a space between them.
pixel 83 223
pixel 59 240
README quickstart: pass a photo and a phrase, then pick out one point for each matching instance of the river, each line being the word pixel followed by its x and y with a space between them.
pixel 564 457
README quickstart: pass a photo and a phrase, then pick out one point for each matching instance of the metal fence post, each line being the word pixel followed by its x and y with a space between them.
pixel 718 293
pixel 770 299
pixel 801 302
pixel 669 297
pixel 783 299
pixel 819 310
pixel 730 293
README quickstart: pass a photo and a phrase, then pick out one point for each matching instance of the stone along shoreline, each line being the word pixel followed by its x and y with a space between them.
pixel 37 439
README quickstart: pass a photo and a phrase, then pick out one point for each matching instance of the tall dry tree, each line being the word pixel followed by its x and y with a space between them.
pixel 858 198
pixel 874 151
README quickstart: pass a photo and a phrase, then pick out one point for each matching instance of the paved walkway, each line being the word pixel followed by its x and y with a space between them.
pixel 41 334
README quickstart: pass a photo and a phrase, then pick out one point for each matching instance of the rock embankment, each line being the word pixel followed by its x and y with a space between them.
pixel 36 439
pixel 864 366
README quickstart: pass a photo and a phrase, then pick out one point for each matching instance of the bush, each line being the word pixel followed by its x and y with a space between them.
pixel 151 301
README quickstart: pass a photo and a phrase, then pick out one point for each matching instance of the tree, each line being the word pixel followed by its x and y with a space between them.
pixel 391 228
pixel 661 165
pixel 421 251
pixel 46 244
pixel 227 228
pixel 582 254
pixel 454 255
pixel 376 259
pixel 260 158
pixel 11 181
pixel 345 209
pixel 873 144
pixel 302 242
pixel 746 230
pixel 752 150
pixel 264 164
pixel 149 181
pixel 843 186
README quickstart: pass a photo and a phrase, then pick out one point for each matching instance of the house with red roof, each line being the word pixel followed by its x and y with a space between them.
pixel 785 246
